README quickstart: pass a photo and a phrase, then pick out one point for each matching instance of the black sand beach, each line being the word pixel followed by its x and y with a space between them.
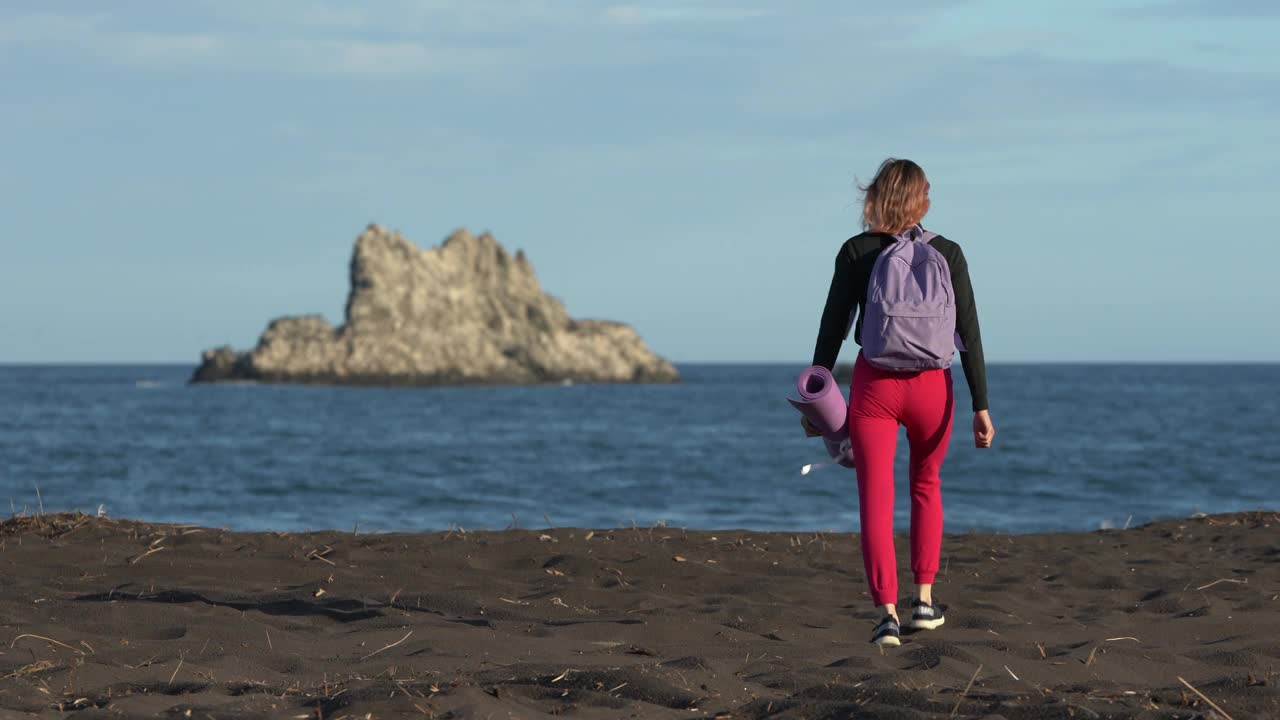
pixel 112 618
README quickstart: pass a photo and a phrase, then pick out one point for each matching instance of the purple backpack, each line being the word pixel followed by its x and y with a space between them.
pixel 909 322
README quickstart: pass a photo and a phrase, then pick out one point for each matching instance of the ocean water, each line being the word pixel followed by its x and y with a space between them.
pixel 1079 447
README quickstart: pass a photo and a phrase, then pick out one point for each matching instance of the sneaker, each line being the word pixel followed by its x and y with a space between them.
pixel 926 616
pixel 887 632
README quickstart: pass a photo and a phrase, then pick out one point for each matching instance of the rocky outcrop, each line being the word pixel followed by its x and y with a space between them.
pixel 466 312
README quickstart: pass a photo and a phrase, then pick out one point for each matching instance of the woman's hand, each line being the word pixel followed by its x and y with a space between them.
pixel 983 431
pixel 809 429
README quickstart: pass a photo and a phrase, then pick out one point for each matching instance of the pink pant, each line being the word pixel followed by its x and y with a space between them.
pixel 879 401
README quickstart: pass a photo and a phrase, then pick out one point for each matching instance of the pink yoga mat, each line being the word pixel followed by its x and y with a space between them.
pixel 822 402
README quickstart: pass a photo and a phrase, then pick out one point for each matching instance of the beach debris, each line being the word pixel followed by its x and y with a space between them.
pixel 388 647
pixel 553 571
pixel 1015 677
pixel 41 637
pixel 546 538
pixel 318 592
pixel 32 669
pixel 621 582
pixel 562 675
pixel 678 558
pixel 1122 638
pixel 319 554
pixel 590 534
pixel 175 670
pixel 1212 704
pixel 152 550
pixel 960 699
pixel 1230 580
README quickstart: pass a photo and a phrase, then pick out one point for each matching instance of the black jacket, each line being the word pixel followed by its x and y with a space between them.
pixel 849 289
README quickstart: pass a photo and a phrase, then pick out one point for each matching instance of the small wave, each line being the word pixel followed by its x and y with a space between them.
pixel 148 384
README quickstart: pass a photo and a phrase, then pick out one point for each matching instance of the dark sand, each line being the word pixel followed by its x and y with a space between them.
pixel 112 618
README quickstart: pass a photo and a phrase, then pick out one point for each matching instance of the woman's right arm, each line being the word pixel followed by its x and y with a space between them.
pixel 975 366
pixel 971 357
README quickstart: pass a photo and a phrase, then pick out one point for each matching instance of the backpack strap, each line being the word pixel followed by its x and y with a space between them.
pixel 915 233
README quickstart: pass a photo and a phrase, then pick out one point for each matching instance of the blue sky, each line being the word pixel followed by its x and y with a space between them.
pixel 177 174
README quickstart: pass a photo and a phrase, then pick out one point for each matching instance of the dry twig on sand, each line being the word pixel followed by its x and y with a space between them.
pixel 41 637
pixel 1230 580
pixel 1212 704
pixel 152 550
pixel 175 670
pixel 960 699
pixel 319 554
pixel 32 669
pixel 1092 653
pixel 388 647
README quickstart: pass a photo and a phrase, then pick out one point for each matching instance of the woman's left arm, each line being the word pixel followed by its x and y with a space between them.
pixel 838 312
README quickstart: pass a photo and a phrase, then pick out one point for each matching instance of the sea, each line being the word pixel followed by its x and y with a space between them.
pixel 1079 447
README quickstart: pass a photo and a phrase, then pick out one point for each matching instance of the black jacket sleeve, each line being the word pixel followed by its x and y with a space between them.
pixel 842 297
pixel 975 367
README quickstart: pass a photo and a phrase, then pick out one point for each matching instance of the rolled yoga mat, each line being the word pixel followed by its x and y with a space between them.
pixel 822 402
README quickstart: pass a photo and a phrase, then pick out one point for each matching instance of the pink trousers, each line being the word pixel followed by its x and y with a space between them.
pixel 879 402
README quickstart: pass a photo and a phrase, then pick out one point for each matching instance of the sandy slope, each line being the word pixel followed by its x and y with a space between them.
pixel 110 618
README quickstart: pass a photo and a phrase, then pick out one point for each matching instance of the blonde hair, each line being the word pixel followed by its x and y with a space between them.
pixel 897 198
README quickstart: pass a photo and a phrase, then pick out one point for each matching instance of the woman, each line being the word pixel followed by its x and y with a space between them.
pixel 880 399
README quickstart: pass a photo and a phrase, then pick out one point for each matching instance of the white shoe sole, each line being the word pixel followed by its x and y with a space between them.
pixel 928 624
pixel 888 641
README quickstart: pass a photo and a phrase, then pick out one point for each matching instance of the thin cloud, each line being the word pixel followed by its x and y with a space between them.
pixel 96 36
pixel 1204 9
pixel 640 15
pixel 403 17
pixel 312 15
pixel 91 33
